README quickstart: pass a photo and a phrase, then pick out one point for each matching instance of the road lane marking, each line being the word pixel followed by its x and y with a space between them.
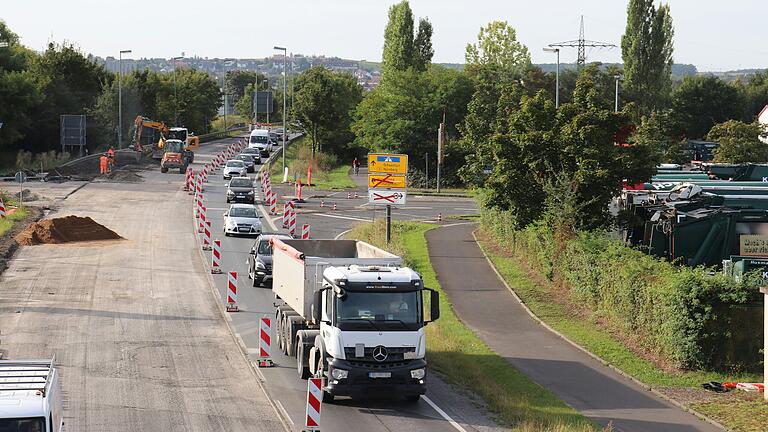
pixel 343 217
pixel 341 234
pixel 282 408
pixel 443 414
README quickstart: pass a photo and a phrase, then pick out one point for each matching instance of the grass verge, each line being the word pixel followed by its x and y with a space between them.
pixel 457 353
pixel 731 410
pixel 327 174
pixel 7 223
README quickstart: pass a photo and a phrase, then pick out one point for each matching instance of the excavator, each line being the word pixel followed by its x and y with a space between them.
pixel 179 155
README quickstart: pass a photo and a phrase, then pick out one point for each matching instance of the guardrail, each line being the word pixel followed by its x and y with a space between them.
pixel 221 134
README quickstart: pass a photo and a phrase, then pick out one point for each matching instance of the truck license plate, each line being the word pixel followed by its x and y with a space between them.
pixel 380 374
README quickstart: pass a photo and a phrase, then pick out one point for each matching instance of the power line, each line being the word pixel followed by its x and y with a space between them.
pixel 581 44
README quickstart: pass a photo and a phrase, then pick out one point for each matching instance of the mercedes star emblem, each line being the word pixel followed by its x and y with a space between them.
pixel 379 353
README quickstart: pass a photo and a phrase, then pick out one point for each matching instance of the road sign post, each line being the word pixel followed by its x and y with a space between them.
pixel 21 177
pixel 387 183
pixel 389 223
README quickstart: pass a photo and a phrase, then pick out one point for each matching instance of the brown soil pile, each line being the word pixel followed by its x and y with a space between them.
pixel 124 176
pixel 65 230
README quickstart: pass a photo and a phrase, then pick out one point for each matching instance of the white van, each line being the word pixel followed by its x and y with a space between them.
pixel 30 398
pixel 260 140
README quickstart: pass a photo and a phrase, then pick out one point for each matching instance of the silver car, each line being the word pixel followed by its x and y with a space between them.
pixel 242 219
pixel 234 168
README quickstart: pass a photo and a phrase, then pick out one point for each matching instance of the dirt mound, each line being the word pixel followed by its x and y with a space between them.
pixel 65 230
pixel 28 195
pixel 124 176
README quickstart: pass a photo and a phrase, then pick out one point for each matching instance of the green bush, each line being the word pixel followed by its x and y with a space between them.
pixel 46 160
pixel 691 318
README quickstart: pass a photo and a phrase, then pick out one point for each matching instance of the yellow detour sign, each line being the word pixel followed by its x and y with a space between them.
pixel 387 163
pixel 386 181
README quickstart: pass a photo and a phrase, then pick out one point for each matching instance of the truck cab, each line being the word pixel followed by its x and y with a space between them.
pixel 30 399
pixel 175 156
pixel 372 331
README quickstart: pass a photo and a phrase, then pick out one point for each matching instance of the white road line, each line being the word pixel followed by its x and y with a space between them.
pixel 282 408
pixel 458 223
pixel 343 217
pixel 443 414
pixel 341 234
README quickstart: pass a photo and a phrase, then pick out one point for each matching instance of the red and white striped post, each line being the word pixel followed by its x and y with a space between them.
pixel 439 217
pixel 314 401
pixel 232 292
pixel 286 214
pixel 265 343
pixel 207 235
pixel 298 191
pixel 2 209
pixel 199 205
pixel 190 182
pixel 356 196
pixel 216 257
pixel 322 203
pixel 334 206
pixel 305 232
pixel 292 223
pixel 273 203
pixel 349 195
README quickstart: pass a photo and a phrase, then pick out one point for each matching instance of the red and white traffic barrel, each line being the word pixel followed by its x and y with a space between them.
pixel 292 223
pixel 305 232
pixel 207 235
pixel 2 209
pixel 265 342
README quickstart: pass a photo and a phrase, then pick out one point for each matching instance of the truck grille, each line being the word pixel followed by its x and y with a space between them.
pixel 394 354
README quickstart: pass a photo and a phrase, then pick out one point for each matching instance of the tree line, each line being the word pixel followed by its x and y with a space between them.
pixel 36 88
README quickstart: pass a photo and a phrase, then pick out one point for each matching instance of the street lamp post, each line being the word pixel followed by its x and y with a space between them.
pixel 557 75
pixel 120 98
pixel 616 101
pixel 285 77
pixel 175 94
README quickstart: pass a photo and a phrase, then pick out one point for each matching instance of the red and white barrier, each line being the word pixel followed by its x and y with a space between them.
pixel 232 292
pixel 292 223
pixel 322 203
pixel 207 235
pixel 314 402
pixel 216 257
pixel 273 203
pixel 356 196
pixel 298 191
pixel 2 208
pixel 334 206
pixel 198 205
pixel 439 217
pixel 286 214
pixel 349 195
pixel 265 343
pixel 305 232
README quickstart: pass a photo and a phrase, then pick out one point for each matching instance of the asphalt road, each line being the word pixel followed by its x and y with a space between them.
pixel 133 324
pixel 487 307
pixel 288 391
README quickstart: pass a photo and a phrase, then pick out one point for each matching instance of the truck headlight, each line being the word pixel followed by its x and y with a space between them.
pixel 340 374
pixel 418 373
pixel 260 265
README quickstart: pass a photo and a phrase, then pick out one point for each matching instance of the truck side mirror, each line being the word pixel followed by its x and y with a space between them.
pixel 434 305
pixel 317 307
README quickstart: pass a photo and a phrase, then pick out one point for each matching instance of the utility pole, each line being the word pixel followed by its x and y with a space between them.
pixel 285 86
pixel 175 93
pixel 224 88
pixel 426 170
pixel 616 102
pixel 256 96
pixel 440 145
pixel 120 99
pixel 557 75
pixel 581 45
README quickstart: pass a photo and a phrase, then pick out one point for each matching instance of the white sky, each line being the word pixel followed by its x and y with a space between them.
pixel 713 35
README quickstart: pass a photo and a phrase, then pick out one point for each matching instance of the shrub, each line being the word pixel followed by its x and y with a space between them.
pixel 692 318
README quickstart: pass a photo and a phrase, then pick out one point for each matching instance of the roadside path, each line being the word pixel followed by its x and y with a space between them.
pixel 484 304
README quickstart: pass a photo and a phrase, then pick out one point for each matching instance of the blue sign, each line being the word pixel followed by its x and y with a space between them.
pixel 388 159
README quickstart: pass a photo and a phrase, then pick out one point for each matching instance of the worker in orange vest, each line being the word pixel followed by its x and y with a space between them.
pixel 111 157
pixel 103 164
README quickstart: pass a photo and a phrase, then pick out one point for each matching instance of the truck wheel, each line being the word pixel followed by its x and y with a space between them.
pixel 327 397
pixel 182 170
pixel 302 366
pixel 293 328
pixel 256 281
pixel 163 169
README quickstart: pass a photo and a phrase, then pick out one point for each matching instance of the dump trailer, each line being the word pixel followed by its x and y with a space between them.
pixel 30 396
pixel 351 315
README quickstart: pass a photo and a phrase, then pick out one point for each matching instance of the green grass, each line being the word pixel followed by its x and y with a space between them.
pixel 218 123
pixel 7 223
pixel 589 334
pixel 458 354
pixel 738 415
pixel 326 173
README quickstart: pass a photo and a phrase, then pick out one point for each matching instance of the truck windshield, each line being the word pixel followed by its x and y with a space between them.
pixel 379 310
pixel 177 134
pixel 261 139
pixel 30 424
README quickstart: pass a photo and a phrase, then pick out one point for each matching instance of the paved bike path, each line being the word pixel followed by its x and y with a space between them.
pixel 488 308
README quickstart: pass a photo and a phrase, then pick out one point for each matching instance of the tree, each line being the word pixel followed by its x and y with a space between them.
pixel 323 103
pixel 647 48
pixel 703 101
pixel 401 49
pixel 237 81
pixel 739 142
pixel 19 89
pixel 497 47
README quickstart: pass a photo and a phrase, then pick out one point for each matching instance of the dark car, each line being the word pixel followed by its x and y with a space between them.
pixel 264 154
pixel 240 189
pixel 260 258
pixel 248 161
pixel 253 152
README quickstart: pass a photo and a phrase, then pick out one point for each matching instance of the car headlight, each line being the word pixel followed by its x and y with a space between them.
pixel 340 374
pixel 250 193
pixel 418 373
pixel 230 193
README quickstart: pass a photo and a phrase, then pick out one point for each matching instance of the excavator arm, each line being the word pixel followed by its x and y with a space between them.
pixel 142 122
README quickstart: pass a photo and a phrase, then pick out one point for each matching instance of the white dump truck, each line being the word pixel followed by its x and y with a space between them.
pixel 349 313
pixel 30 398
